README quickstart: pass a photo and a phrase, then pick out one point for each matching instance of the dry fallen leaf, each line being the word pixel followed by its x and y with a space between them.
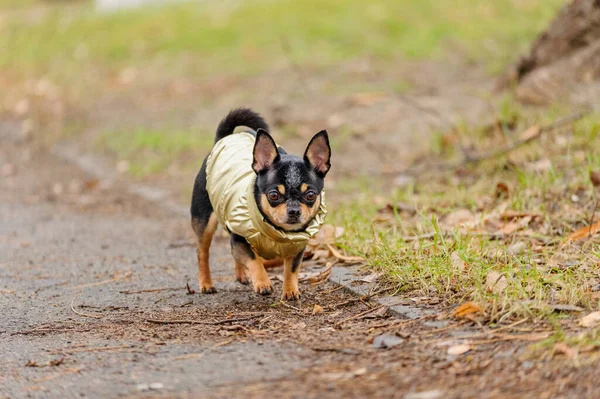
pixel 467 309
pixel 317 309
pixel 343 258
pixel 502 190
pixel 531 133
pixel 561 347
pixel 590 320
pixel 496 282
pixel 584 232
pixel 367 98
pixel 459 349
pixel 398 208
pixel 595 178
pixel 543 165
pixel 459 217
pixel 513 226
pixel 371 277
pixel 457 263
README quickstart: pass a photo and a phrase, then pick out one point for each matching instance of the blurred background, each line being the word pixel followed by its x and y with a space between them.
pixel 145 82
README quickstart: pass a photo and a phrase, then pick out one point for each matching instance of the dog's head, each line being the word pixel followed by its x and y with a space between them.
pixel 288 188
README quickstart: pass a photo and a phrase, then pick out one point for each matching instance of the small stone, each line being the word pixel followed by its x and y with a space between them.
pixel 516 248
pixel 122 166
pixel 434 394
pixel 57 189
pixel 21 107
pixel 575 198
pixel 9 169
pixel 527 364
pixel 385 341
pixel 403 181
pixel 155 386
pixel 143 387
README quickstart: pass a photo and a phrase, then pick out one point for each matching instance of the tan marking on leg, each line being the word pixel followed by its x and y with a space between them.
pixel 304 187
pixel 204 241
pixel 241 273
pixel 281 189
pixel 259 277
pixel 290 292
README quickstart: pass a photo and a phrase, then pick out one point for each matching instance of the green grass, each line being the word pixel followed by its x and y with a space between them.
pixel 152 151
pixel 546 272
pixel 249 37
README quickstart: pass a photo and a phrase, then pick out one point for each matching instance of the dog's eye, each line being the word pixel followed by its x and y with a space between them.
pixel 310 196
pixel 274 195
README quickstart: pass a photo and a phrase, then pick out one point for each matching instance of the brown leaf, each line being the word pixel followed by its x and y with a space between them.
pixel 371 277
pixel 584 232
pixel 531 133
pixel 595 178
pixel 496 282
pixel 398 208
pixel 590 320
pixel 543 165
pixel 561 347
pixel 323 275
pixel 502 190
pixel 457 263
pixel 343 258
pixel 466 309
pixel 459 349
pixel 365 99
pixel 326 235
pixel 510 227
pixel 459 217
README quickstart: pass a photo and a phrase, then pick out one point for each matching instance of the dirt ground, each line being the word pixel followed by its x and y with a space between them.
pixel 94 304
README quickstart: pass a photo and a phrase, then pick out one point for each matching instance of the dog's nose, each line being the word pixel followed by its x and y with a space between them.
pixel 293 212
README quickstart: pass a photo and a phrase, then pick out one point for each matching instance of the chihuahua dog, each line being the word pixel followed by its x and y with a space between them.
pixel 270 202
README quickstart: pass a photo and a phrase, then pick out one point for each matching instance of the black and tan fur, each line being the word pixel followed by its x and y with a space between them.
pixel 287 192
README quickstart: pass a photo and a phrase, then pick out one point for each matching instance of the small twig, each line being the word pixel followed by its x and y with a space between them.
pixel 93 316
pixel 149 290
pixel 181 244
pixel 341 287
pixel 49 330
pixel 591 224
pixel 418 238
pixel 111 280
pixel 97 349
pixel 190 291
pixel 359 299
pixel 366 312
pixel 287 305
pixel 207 323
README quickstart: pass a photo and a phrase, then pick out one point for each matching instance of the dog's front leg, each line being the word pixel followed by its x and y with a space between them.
pixel 245 257
pixel 291 268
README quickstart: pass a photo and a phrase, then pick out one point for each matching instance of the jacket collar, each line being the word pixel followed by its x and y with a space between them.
pixel 281 236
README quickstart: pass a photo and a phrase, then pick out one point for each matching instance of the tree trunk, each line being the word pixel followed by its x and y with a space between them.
pixel 561 58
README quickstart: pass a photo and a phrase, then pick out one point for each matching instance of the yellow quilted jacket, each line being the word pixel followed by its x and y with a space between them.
pixel 230 185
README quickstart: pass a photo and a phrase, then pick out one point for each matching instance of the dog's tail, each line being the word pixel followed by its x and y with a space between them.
pixel 240 117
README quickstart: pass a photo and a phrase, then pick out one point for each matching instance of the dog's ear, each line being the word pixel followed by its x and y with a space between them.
pixel 318 153
pixel 265 151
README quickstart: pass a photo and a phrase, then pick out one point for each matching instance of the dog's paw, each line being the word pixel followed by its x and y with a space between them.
pixel 263 288
pixel 208 289
pixel 241 276
pixel 243 279
pixel 291 295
